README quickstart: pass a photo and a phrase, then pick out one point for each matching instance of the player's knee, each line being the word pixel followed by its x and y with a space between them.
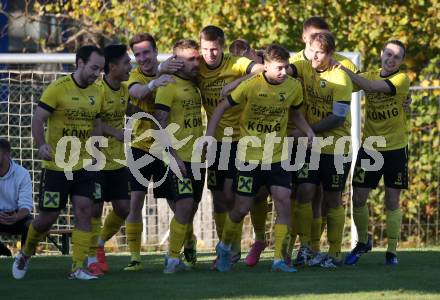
pixel 360 196
pixel 306 193
pixel 122 211
pixel 392 201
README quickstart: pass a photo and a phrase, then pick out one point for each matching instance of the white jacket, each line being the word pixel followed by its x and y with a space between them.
pixel 16 189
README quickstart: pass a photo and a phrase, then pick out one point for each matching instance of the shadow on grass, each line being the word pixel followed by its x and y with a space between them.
pixel 417 273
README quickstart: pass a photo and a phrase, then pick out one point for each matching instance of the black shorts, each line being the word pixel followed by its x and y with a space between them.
pixel 188 187
pixel 218 172
pixel 112 185
pixel 55 188
pixel 326 172
pixel 154 171
pixel 394 170
pixel 247 183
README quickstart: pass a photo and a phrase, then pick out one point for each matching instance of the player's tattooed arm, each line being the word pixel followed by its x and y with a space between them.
pixel 40 117
pixel 108 130
pixel 378 86
pixel 161 113
pixel 217 115
pixel 227 89
pixel 140 91
pixel 335 119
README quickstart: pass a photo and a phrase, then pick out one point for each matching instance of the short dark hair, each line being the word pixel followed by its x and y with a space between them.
pixel 315 22
pixel 142 37
pixel 112 54
pixel 276 52
pixel 326 40
pixel 85 52
pixel 239 47
pixel 397 43
pixel 213 33
pixel 185 44
pixel 5 145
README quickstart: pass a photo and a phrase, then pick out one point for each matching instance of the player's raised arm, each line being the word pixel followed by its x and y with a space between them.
pixel 381 86
pixel 140 91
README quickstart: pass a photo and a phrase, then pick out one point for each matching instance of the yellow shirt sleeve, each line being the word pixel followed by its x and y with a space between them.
pixel 342 88
pixel 239 94
pixel 241 65
pixel 165 96
pixel 50 97
pixel 401 83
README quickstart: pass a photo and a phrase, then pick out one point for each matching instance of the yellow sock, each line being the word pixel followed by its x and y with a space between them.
pixel 134 238
pixel 305 215
pixel 96 231
pixel 335 229
pixel 229 231
pixel 360 217
pixel 236 243
pixel 219 219
pixel 112 224
pixel 32 240
pixel 258 218
pixel 315 235
pixel 281 233
pixel 177 238
pixel 190 239
pixel 294 225
pixel 81 244
pixel 394 220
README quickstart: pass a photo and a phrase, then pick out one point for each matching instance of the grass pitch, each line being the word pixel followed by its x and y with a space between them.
pixel 417 277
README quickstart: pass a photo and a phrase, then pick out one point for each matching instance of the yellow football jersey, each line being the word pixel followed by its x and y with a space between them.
pixel 113 114
pixel 146 105
pixel 384 114
pixel 211 83
pixel 183 101
pixel 265 110
pixel 73 109
pixel 321 90
pixel 346 62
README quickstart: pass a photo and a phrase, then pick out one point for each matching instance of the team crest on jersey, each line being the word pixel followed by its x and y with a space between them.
pixel 75 98
pixel 282 96
pixel 322 83
pixel 92 100
pixel 122 100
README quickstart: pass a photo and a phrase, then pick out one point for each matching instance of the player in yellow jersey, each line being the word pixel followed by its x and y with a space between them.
pixel 311 26
pixel 268 98
pixel 112 180
pixel 259 210
pixel 180 103
pixel 71 106
pixel 327 105
pixel 218 69
pixel 386 90
pixel 142 85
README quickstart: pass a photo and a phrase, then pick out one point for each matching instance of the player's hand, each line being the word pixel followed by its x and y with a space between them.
pixel 162 81
pixel 310 137
pixel 407 103
pixel 45 152
pixel 203 143
pixel 334 64
pixel 8 218
pixel 296 133
pixel 171 65
pixel 119 135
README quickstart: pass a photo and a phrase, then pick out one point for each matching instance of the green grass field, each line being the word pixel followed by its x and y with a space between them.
pixel 417 277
